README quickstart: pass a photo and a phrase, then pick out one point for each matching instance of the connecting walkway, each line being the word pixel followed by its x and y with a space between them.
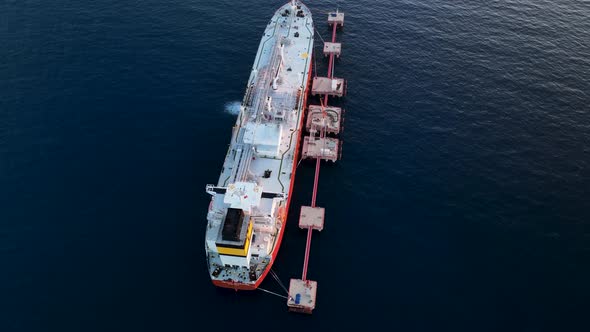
pixel 322 119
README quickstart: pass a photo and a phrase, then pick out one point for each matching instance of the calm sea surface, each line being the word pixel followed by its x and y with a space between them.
pixel 462 202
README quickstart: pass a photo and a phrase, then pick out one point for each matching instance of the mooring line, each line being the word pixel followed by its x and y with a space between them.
pixel 276 276
pixel 273 293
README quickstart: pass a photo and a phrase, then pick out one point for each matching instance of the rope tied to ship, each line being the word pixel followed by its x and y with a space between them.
pixel 276 277
pixel 318 33
pixel 273 293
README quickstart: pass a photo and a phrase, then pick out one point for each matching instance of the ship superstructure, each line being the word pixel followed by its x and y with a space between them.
pixel 248 210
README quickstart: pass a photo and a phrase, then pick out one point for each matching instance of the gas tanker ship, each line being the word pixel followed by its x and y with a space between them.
pixel 248 211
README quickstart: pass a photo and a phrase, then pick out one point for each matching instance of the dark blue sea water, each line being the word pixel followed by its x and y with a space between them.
pixel 462 202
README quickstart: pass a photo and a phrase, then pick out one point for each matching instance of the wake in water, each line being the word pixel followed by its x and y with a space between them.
pixel 232 107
